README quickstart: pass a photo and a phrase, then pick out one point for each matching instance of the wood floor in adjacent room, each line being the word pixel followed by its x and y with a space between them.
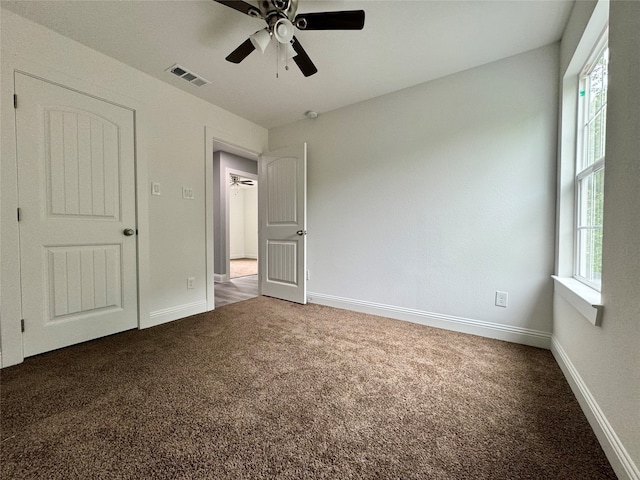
pixel 236 290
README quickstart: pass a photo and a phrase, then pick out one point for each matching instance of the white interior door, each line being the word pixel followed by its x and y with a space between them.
pixel 77 227
pixel 283 198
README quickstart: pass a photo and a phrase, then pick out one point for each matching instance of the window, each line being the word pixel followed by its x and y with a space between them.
pixel 589 181
pixel 581 166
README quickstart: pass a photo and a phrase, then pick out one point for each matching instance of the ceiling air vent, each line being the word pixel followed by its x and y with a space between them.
pixel 185 74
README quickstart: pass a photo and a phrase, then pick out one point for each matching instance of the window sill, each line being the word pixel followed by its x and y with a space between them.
pixel 584 299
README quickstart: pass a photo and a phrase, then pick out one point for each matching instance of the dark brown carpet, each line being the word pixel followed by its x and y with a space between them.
pixel 269 389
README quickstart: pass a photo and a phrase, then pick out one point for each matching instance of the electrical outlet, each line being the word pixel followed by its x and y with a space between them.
pixel 501 299
pixel 187 193
pixel 308 275
pixel 155 188
pixel 191 282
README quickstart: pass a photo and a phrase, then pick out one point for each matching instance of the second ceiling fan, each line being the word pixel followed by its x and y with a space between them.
pixel 281 19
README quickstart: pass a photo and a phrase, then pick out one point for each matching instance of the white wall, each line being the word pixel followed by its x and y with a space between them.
pixel 424 202
pixel 251 222
pixel 243 222
pixel 170 131
pixel 603 363
pixel 236 224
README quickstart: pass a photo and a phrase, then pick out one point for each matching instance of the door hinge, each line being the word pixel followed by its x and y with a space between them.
pixel 22 325
pixel 15 100
pixel 19 213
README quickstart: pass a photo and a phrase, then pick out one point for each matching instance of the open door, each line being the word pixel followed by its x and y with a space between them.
pixel 282 185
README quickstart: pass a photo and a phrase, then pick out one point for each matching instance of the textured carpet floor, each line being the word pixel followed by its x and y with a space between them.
pixel 270 389
pixel 243 267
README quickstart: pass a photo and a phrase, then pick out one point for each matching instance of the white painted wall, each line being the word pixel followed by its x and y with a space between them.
pixel 604 362
pixel 251 222
pixel 236 224
pixel 580 15
pixel 428 200
pixel 243 221
pixel 170 125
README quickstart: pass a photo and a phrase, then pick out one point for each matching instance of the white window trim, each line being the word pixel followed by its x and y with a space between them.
pixel 582 297
pixel 586 300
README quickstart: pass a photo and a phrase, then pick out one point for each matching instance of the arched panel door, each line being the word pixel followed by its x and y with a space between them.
pixel 283 198
pixel 77 228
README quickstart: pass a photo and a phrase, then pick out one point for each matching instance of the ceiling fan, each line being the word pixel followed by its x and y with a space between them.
pixel 236 181
pixel 281 18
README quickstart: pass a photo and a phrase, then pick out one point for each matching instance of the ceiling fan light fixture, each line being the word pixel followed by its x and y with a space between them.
pixel 283 30
pixel 261 39
pixel 290 51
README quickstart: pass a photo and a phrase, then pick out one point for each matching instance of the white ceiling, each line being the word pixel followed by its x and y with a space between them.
pixel 403 43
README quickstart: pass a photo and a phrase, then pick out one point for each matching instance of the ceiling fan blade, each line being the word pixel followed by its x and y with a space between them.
pixel 241 52
pixel 241 6
pixel 302 59
pixel 346 20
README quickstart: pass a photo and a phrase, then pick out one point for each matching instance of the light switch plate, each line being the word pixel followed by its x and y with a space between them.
pixel 155 188
pixel 187 193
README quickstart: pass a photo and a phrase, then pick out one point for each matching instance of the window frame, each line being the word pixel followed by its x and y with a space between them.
pixel 582 173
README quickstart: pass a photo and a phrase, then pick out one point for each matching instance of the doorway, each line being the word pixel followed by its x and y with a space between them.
pixel 282 204
pixel 242 201
pixel 234 204
pixel 242 206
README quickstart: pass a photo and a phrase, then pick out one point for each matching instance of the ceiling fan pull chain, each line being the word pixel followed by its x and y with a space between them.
pixel 286 57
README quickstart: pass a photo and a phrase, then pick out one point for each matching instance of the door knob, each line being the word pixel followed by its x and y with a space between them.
pixel 301 232
pixel 128 232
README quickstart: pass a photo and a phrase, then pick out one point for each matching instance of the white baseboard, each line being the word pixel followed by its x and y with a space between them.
pixel 174 313
pixel 221 277
pixel 525 336
pixel 618 456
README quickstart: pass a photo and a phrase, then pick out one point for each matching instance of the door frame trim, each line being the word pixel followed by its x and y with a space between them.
pixel 11 338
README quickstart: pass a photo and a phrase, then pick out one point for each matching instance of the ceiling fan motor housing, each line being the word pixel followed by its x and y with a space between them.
pixel 280 4
pixel 278 9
